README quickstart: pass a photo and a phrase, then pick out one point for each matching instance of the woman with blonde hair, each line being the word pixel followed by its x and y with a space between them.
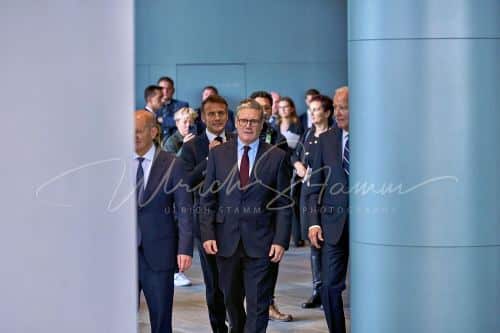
pixel 186 130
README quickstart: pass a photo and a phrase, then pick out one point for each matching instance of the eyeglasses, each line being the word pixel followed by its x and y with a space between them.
pixel 252 122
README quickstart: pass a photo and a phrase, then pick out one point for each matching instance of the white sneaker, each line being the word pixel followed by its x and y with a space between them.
pixel 181 280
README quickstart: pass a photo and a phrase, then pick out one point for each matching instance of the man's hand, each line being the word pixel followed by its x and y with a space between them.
pixel 213 144
pixel 210 246
pixel 316 236
pixel 184 262
pixel 276 252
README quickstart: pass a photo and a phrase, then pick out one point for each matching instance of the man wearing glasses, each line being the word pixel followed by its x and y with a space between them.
pixel 245 218
pixel 272 136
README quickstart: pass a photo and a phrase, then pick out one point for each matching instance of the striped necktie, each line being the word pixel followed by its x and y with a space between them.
pixel 346 157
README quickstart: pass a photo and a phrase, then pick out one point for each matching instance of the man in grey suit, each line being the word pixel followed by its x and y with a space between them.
pixel 245 218
pixel 162 243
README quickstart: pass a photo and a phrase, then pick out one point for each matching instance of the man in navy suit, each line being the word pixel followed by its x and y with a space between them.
pixel 214 114
pixel 305 118
pixel 161 242
pixel 328 205
pixel 272 135
pixel 170 106
pixel 245 218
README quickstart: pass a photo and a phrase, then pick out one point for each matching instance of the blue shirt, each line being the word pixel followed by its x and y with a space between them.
pixel 252 153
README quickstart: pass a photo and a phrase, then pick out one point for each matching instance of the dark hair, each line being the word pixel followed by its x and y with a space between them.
pixel 210 88
pixel 150 91
pixel 326 103
pixel 166 78
pixel 262 94
pixel 311 92
pixel 293 116
pixel 213 99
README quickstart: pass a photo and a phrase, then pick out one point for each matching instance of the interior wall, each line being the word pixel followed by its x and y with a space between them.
pixel 67 245
pixel 287 46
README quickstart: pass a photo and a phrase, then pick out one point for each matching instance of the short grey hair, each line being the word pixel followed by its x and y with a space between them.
pixel 250 104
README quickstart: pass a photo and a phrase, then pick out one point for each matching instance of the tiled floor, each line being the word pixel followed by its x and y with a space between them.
pixel 294 286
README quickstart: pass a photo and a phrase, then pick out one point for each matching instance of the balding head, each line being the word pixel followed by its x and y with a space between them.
pixel 145 131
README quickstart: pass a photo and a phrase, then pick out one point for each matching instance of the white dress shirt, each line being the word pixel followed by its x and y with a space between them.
pixel 211 136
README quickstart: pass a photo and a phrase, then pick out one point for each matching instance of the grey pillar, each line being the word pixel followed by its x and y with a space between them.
pixel 425 122
pixel 67 240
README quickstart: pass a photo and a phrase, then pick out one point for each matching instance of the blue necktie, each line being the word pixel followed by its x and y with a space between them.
pixel 139 180
pixel 139 189
pixel 345 158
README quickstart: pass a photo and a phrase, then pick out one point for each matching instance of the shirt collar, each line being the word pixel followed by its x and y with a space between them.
pixel 253 146
pixel 345 134
pixel 149 156
pixel 147 108
pixel 211 136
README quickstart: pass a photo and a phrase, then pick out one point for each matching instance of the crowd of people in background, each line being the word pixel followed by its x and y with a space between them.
pixel 301 154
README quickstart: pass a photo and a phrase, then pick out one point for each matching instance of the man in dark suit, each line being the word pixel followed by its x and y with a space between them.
pixel 328 204
pixel 305 118
pixel 153 96
pixel 161 242
pixel 171 105
pixel 273 136
pixel 214 114
pixel 245 218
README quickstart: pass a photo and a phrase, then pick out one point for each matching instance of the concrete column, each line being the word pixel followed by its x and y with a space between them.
pixel 67 246
pixel 425 132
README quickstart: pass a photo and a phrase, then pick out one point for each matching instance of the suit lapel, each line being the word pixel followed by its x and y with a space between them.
pixel 158 170
pixel 259 162
pixel 203 146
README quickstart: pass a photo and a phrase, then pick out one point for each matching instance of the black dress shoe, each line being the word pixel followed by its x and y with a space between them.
pixel 313 302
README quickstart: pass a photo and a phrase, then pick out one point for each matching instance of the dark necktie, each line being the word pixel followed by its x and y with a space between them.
pixel 139 180
pixel 218 138
pixel 245 168
pixel 346 157
pixel 139 189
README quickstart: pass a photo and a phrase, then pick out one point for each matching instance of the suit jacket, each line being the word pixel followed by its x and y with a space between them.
pixel 174 143
pixel 303 122
pixel 162 237
pixel 194 153
pixel 229 214
pixel 327 196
